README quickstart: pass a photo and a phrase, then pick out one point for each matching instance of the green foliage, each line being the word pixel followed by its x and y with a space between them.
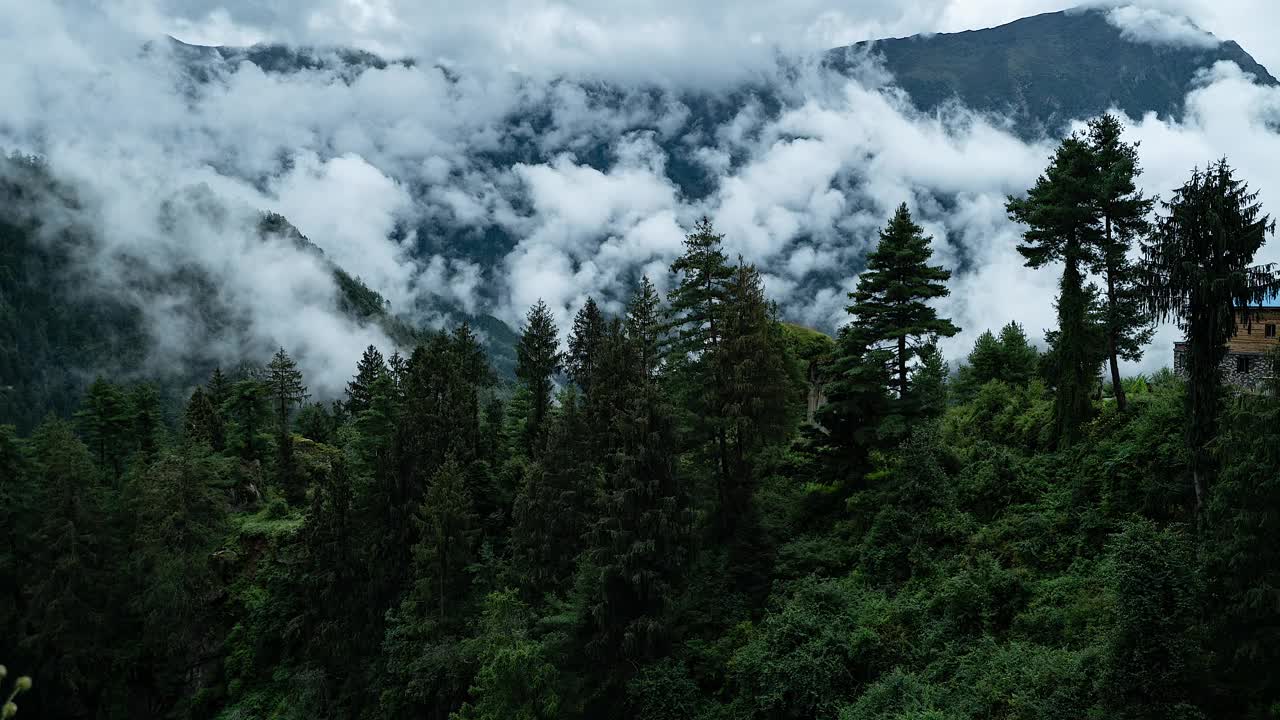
pixel 1063 226
pixel 890 305
pixel 538 359
pixel 1199 272
pixel 1008 358
pixel 515 679
pixel 673 545
pixel 826 641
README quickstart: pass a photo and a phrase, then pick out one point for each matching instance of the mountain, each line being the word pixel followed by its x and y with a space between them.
pixel 1040 72
pixel 1048 69
pixel 59 327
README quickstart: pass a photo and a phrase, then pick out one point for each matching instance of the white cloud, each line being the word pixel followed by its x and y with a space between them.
pixel 802 192
pixel 1157 27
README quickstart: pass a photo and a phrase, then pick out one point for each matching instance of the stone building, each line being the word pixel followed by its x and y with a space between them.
pixel 1246 364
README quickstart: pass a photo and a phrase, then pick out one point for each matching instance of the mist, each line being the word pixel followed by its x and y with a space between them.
pixel 175 172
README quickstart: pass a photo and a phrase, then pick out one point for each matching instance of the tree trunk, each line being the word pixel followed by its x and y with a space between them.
pixel 1112 331
pixel 902 366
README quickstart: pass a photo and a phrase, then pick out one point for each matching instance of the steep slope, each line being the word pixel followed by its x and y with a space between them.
pixel 59 327
pixel 1048 69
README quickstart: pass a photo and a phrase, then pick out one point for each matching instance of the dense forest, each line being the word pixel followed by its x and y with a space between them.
pixel 694 510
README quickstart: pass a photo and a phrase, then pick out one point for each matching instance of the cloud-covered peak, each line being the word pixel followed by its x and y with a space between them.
pixel 1157 27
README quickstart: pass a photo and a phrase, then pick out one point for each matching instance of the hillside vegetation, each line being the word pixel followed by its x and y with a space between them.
pixel 642 524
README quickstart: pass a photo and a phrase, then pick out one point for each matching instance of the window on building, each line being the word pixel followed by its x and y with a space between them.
pixel 1271 331
pixel 1242 363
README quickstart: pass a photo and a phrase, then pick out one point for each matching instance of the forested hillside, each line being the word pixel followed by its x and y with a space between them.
pixel 61 322
pixel 643 523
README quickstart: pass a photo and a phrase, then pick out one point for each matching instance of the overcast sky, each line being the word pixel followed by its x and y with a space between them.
pixel 536 34
pixel 802 192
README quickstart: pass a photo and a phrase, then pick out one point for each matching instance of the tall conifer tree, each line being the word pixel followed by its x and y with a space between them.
pixel 1063 225
pixel 538 359
pixel 1124 211
pixel 1199 272
pixel 890 305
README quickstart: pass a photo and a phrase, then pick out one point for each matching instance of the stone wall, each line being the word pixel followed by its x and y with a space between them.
pixel 1256 367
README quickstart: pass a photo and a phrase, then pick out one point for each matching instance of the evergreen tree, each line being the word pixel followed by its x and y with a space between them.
pixel 694 304
pixel 640 538
pixel 851 423
pixel 368 371
pixel 315 422
pixel 538 359
pixel 67 576
pixel 757 387
pixel 105 423
pixel 202 421
pixel 1063 225
pixel 1019 359
pixel 146 419
pixel 248 413
pixel 17 488
pixel 285 388
pixel 284 384
pixel 1243 552
pixel 1153 658
pixel 930 381
pixel 516 679
pixel 1009 359
pixel 553 506
pixel 889 304
pixel 1199 271
pixel 583 359
pixel 181 520
pixel 645 336
pixel 447 532
pixel 218 388
pixel 1124 211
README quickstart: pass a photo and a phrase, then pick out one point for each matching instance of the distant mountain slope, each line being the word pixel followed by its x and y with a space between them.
pixel 1048 69
pixel 59 328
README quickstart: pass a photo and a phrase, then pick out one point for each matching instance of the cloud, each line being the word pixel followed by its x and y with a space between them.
pixel 1149 25
pixel 485 190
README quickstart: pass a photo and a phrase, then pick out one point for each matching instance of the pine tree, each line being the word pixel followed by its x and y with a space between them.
pixel 105 423
pixel 552 507
pixel 67 574
pixel 538 359
pixel 583 359
pixel 180 520
pixel 930 381
pixel 1009 359
pixel 851 423
pixel 1063 225
pixel 368 371
pixel 890 305
pixel 248 412
pixel 284 385
pixel 757 386
pixel 218 388
pixel 447 522
pixel 1124 211
pixel 645 334
pixel 703 274
pixel 146 419
pixel 202 422
pixel 1019 359
pixel 639 541
pixel 1199 271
